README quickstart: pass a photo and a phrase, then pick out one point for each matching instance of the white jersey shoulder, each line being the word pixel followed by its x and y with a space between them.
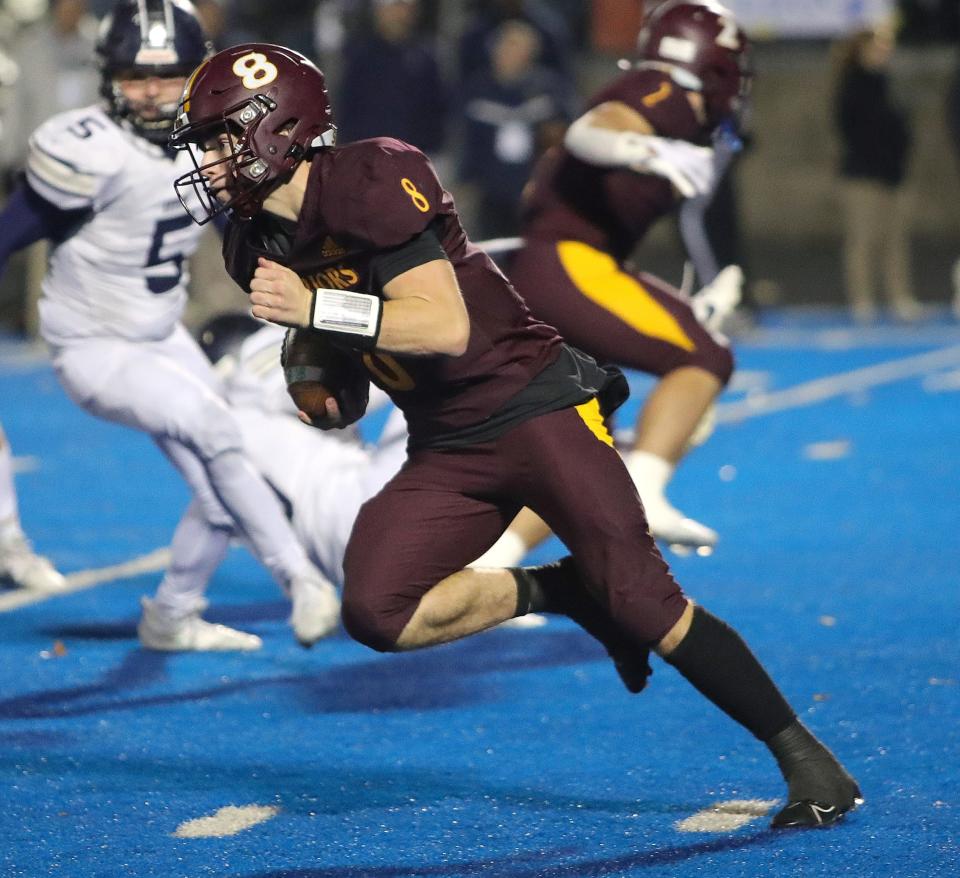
pixel 74 156
pixel 121 271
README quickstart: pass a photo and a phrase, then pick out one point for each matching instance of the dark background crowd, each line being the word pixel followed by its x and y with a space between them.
pixel 485 87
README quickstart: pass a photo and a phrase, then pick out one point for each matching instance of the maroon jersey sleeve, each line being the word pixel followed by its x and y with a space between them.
pixel 386 192
pixel 656 97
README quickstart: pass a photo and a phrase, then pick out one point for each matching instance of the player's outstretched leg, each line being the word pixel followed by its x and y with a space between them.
pixel 716 660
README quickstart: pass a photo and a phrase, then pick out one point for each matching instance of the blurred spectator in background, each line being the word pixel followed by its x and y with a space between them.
pixel 287 23
pixel 953 126
pixel 512 111
pixel 213 19
pixel 875 140
pixel 55 73
pixel 555 39
pixel 391 85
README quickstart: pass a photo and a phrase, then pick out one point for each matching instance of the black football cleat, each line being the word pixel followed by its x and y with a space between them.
pixel 807 814
pixel 820 790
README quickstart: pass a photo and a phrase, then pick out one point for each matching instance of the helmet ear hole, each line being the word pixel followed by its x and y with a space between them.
pixel 285 129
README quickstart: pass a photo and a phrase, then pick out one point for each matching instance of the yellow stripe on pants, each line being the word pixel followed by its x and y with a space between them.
pixel 599 278
pixel 589 412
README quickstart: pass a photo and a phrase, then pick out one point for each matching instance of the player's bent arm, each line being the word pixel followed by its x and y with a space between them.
pixel 614 135
pixel 424 312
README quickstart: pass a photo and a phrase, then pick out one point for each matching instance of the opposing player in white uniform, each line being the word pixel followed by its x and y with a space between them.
pixel 322 477
pixel 100 186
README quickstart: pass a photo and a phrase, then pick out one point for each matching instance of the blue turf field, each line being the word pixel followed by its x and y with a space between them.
pixel 514 753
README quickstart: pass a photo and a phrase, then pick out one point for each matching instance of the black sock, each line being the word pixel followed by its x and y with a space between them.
pixel 559 588
pixel 540 589
pixel 715 659
pixel 811 771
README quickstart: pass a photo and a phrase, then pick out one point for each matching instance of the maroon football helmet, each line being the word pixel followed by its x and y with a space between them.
pixel 274 103
pixel 705 50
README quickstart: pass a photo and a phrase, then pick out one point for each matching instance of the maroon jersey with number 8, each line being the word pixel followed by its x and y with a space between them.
pixel 364 200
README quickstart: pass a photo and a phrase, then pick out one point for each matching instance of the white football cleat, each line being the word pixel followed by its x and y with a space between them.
pixel 316 607
pixel 715 302
pixel 672 527
pixel 190 633
pixel 25 569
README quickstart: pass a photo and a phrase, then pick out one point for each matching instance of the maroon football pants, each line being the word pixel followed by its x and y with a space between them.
pixel 633 320
pixel 446 507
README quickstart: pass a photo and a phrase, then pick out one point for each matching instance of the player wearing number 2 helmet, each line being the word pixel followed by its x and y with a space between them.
pixel 99 186
pixel 362 243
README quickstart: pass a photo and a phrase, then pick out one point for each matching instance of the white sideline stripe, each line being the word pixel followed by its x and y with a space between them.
pixel 226 821
pixel 726 816
pixel 153 561
pixel 822 389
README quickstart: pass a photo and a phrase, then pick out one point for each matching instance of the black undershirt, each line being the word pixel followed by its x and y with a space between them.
pixel 570 380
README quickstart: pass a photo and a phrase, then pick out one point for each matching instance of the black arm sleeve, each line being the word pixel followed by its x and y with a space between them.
pixel 388 264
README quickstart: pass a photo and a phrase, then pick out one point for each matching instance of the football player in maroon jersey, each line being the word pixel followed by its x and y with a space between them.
pixel 362 242
pixel 591 201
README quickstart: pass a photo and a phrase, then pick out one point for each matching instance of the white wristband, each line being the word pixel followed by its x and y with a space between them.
pixel 347 312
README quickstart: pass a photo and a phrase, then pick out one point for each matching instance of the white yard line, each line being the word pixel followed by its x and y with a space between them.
pixel 226 821
pixel 822 389
pixel 82 579
pixel 726 816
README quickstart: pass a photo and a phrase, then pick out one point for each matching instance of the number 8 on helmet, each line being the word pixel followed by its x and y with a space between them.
pixel 274 104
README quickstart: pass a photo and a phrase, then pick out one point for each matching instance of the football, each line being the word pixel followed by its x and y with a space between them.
pixel 316 368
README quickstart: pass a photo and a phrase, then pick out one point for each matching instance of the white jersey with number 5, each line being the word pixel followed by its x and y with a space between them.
pixel 122 272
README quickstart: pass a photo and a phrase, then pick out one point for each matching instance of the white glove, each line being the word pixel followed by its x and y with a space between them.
pixel 691 168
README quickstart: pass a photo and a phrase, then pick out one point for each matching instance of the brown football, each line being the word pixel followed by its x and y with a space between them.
pixel 316 368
